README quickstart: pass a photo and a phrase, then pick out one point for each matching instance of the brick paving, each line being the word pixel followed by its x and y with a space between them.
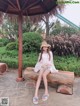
pixel 21 93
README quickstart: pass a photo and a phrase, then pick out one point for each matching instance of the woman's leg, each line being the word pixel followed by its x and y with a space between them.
pixel 45 81
pixel 38 83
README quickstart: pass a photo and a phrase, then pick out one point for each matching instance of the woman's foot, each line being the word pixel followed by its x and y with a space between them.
pixel 35 100
pixel 45 97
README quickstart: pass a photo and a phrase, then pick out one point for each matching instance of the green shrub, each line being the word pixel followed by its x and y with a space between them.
pixel 8 53
pixel 11 62
pixel 1 44
pixel 11 46
pixel 68 63
pixel 5 41
pixel 31 42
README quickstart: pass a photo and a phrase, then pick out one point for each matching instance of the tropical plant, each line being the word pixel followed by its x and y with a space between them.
pixel 62 45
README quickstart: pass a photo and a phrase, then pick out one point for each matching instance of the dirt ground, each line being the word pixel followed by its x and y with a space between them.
pixel 21 93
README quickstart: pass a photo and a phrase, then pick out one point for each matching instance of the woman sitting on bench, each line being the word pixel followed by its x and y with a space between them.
pixel 44 66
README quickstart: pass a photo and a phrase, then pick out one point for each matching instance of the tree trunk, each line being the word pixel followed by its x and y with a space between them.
pixel 47 26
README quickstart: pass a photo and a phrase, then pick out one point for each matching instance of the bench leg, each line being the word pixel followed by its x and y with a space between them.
pixel 65 89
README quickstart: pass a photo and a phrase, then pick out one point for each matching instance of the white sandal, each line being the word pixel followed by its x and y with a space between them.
pixel 45 97
pixel 35 100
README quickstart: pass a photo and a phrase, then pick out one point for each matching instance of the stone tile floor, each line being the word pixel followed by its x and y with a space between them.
pixel 21 93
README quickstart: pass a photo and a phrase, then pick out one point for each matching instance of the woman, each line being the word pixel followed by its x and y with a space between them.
pixel 44 66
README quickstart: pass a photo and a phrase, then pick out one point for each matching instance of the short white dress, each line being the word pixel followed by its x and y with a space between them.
pixel 45 63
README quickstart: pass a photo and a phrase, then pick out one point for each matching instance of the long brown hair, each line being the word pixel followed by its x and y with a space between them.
pixel 42 53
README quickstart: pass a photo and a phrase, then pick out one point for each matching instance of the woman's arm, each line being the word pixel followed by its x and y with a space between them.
pixel 53 61
pixel 39 57
pixel 51 58
pixel 37 66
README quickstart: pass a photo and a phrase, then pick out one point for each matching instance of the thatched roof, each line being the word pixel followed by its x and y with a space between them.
pixel 27 7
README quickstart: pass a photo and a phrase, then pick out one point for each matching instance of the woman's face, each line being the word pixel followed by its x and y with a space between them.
pixel 45 48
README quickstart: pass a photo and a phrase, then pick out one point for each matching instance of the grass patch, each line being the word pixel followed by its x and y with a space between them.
pixel 11 58
pixel 68 63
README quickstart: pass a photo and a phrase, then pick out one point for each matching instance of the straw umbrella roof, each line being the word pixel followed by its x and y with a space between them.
pixel 27 7
pixel 34 8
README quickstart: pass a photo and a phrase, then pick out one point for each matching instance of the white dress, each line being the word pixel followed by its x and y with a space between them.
pixel 45 63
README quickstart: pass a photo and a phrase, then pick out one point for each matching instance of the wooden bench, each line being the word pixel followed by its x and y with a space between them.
pixel 63 80
pixel 3 68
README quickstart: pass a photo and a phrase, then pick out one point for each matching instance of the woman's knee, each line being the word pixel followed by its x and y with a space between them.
pixel 44 75
pixel 40 75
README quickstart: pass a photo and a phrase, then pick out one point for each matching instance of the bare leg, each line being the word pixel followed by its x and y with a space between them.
pixel 45 81
pixel 38 83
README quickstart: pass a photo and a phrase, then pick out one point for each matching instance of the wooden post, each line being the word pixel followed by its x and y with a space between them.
pixel 20 78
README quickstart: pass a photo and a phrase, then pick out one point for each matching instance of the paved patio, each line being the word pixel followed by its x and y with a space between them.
pixel 21 93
